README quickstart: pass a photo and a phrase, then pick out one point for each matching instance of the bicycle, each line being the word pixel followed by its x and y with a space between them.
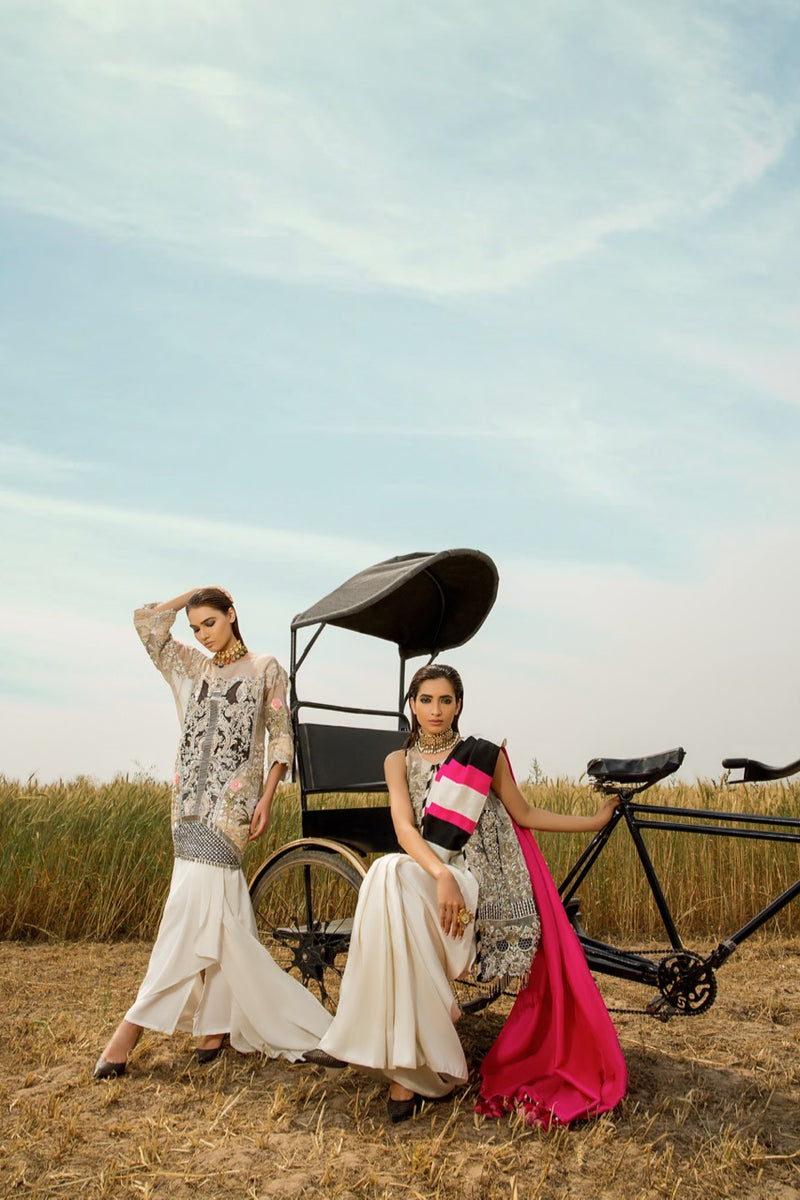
pixel 685 980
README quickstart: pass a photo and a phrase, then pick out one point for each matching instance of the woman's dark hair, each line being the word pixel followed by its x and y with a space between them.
pixel 424 675
pixel 212 597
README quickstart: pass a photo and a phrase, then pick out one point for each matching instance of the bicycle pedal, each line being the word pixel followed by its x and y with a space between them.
pixel 660 1008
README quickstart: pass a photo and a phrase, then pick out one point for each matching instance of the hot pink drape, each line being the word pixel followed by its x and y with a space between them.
pixel 557 1057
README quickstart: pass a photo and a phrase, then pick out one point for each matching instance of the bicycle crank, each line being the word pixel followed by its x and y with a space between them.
pixel 687 985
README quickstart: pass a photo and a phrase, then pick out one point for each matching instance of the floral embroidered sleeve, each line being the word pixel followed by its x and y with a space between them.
pixel 276 716
pixel 172 658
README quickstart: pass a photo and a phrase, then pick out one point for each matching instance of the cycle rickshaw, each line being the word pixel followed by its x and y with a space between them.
pixel 304 895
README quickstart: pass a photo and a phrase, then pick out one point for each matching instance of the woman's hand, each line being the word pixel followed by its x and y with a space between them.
pixel 451 903
pixel 605 812
pixel 260 819
pixel 262 810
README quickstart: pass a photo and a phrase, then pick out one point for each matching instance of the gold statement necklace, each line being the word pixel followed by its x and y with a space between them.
pixel 437 743
pixel 234 652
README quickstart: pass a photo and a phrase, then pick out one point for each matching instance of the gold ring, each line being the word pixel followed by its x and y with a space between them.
pixel 465 917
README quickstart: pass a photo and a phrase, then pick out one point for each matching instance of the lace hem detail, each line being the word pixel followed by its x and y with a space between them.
pixel 198 842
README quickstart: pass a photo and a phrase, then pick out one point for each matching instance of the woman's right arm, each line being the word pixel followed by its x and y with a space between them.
pixel 448 893
pixel 153 623
pixel 174 605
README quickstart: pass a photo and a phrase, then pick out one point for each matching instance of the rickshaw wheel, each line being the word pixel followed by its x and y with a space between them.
pixel 304 905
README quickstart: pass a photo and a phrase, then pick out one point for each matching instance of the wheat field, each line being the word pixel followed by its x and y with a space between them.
pixel 92 861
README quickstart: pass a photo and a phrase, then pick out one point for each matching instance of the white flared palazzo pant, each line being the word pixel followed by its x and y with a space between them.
pixel 396 1007
pixel 209 973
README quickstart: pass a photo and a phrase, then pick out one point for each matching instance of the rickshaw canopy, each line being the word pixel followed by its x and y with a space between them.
pixel 423 602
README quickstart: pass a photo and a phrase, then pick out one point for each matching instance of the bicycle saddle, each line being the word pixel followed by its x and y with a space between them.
pixel 758 772
pixel 636 770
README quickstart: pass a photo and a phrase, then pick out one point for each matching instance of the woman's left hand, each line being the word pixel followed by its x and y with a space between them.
pixel 260 819
pixel 605 813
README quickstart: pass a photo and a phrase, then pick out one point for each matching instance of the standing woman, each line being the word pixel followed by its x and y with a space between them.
pixel 208 973
pixel 471 890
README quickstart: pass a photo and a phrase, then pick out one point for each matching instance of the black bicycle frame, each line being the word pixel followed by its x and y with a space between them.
pixel 625 964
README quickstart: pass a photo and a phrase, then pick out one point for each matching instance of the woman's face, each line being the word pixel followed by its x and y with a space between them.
pixel 212 628
pixel 435 705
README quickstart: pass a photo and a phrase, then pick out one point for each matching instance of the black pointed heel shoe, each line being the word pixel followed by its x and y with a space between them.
pixel 323 1059
pixel 203 1057
pixel 103 1069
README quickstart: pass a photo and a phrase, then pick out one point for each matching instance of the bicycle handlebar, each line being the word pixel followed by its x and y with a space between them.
pixel 758 772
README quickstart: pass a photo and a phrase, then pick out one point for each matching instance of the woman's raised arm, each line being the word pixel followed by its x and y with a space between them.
pixel 174 605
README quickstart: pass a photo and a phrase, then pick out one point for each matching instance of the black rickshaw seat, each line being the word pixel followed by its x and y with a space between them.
pixel 342 758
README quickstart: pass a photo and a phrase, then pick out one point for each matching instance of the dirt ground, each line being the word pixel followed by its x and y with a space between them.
pixel 713 1107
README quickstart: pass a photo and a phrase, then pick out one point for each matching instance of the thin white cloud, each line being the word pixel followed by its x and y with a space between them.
pixel 174 529
pixel 773 373
pixel 488 174
pixel 26 463
pixel 594 457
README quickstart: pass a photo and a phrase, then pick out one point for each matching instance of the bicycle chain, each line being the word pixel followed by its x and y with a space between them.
pixel 638 1012
pixel 653 953
pixel 635 1012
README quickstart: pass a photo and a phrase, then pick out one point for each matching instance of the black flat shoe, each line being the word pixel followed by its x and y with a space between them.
pixel 206 1056
pixel 404 1110
pixel 103 1069
pixel 323 1059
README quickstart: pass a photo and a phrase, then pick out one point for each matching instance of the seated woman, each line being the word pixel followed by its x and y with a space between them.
pixel 471 890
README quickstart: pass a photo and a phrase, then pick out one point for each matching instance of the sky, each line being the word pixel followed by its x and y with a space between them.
pixel 287 290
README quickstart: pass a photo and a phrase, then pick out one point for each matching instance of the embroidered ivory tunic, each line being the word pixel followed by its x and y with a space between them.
pixel 226 714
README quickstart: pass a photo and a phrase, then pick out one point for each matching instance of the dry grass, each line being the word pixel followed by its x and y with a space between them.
pixel 712 1109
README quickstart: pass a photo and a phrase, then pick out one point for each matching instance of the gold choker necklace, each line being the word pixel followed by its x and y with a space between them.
pixel 437 743
pixel 234 652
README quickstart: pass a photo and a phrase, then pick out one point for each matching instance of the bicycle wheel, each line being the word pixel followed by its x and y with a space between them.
pixel 304 905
